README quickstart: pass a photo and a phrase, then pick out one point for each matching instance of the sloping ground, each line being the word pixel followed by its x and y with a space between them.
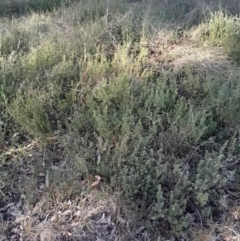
pixel 92 214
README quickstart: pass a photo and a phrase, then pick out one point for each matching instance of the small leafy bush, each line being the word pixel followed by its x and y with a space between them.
pixel 224 30
pixel 14 41
pixel 31 114
pixel 152 142
pixel 44 57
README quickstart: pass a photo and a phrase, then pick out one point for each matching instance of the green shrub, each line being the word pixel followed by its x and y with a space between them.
pixel 150 136
pixel 31 114
pixel 153 142
pixel 224 30
pixel 13 42
pixel 44 57
pixel 223 98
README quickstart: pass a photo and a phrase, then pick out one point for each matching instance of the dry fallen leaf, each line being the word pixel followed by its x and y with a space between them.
pixel 97 182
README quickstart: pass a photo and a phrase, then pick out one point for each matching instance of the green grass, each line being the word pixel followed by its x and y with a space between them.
pixel 147 100
pixel 19 7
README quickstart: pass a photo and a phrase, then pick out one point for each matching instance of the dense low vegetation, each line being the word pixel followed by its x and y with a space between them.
pixel 144 95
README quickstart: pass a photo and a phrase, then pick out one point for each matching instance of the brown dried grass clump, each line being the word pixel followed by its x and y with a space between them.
pixel 97 216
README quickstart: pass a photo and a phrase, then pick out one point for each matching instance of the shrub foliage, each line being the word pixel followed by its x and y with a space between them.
pixel 165 140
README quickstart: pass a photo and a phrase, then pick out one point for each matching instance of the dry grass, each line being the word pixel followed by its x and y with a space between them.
pixel 165 51
pixel 97 216
pixel 92 213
